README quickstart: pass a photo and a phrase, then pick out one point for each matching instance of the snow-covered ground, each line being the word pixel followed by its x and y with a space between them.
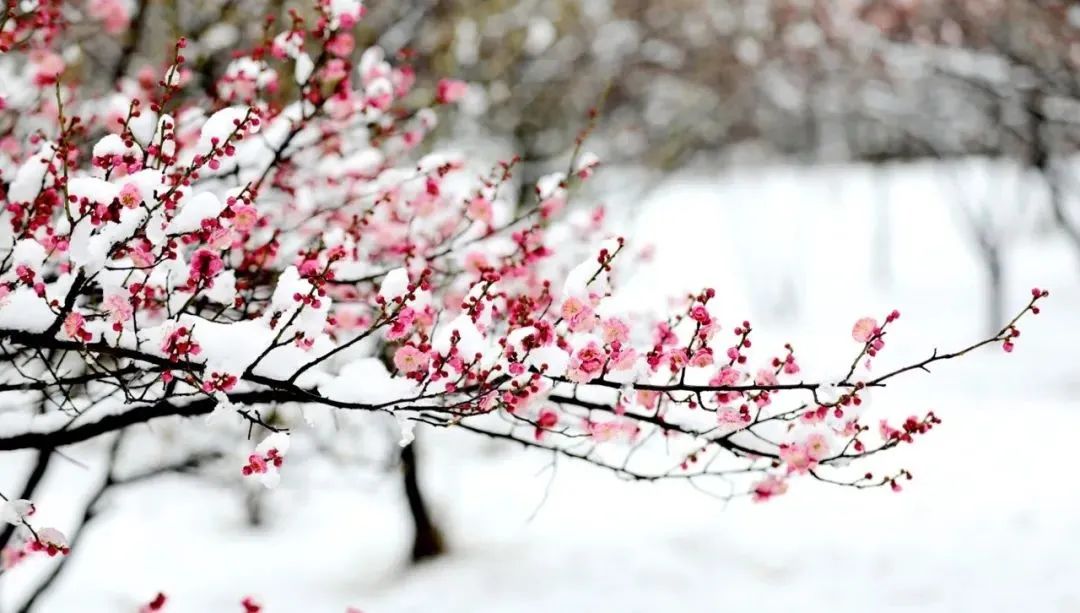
pixel 990 523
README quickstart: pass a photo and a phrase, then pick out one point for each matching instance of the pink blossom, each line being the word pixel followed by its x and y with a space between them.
pixel 623 358
pixel 179 344
pixel 75 326
pixel 130 196
pixel 791 367
pixel 611 430
pixel 547 420
pixel 337 70
pixel 702 358
pixel 140 254
pixel 578 314
pixel 769 487
pixel 817 446
pixel 402 324
pixel 586 364
pixel 112 13
pixel 309 268
pixel 550 207
pixel 287 44
pixel 205 265
pixel 480 210
pixel 220 238
pixel 586 165
pixel 615 330
pixel 701 315
pixel 244 217
pixel 797 458
pixel 51 541
pixel 11 556
pixel 119 308
pixel 864 329
pixel 726 377
pixel 409 359
pixel 766 376
pixel 886 431
pixel 677 359
pixel 732 419
pixel 449 91
pixel 341 45
pixel 648 398
pixel 47 66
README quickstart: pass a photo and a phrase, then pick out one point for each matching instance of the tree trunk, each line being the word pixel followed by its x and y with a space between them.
pixel 995 291
pixel 254 507
pixel 427 538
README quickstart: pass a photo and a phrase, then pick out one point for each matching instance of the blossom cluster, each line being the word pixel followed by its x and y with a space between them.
pixel 30 540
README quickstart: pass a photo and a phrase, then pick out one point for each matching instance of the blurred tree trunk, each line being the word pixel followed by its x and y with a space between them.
pixel 995 271
pixel 1041 160
pixel 427 537
pixel 254 507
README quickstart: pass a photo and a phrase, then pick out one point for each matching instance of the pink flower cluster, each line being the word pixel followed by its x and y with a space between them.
pixel 259 464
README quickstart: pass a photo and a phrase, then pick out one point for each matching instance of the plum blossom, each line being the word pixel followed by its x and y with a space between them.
pixel 604 431
pixel 130 196
pixel 765 377
pixel 864 329
pixel 702 358
pixel 769 487
pixel 51 541
pixel 205 265
pixel 75 327
pixel 480 210
pixel 267 459
pixel 732 419
pixel 647 398
pixel 11 556
pixel 402 324
pixel 449 91
pixel 614 330
pixel 47 66
pixel 578 314
pixel 817 446
pixel 797 457
pixel 409 359
pixel 586 363
pixel 547 420
pixel 120 310
pixel 244 217
pixel 113 14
